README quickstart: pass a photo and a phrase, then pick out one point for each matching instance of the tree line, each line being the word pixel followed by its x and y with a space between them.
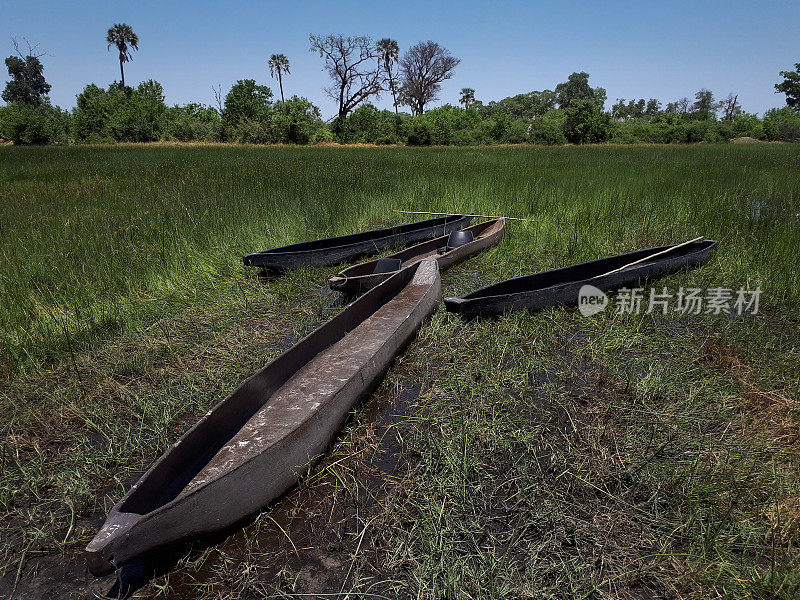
pixel 360 69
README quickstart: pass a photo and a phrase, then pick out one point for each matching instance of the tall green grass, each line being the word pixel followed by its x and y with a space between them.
pixel 96 239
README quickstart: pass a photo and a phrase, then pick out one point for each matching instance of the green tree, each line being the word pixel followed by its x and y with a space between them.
pixel 278 64
pixel 123 37
pixel 653 107
pixel 586 122
pixel 193 122
pixel 523 106
pixel 121 114
pixel 389 54
pixel 577 87
pixel 467 97
pixel 246 102
pixel 790 86
pixel 704 105
pixel 297 121
pixel 619 110
pixel 34 124
pixel 27 79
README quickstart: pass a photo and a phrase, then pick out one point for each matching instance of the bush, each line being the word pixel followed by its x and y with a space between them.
pixel 121 114
pixel 367 124
pixel 546 131
pixel 748 125
pixel 586 122
pixel 418 132
pixel 297 121
pixel 782 124
pixel 28 124
pixel 449 124
pixel 193 122
pixel 245 104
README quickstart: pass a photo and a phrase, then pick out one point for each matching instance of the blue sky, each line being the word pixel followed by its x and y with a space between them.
pixel 638 49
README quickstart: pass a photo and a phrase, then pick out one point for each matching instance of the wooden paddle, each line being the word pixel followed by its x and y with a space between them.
pixel 422 212
pixel 641 260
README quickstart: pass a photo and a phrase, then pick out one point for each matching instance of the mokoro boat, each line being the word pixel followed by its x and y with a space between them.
pixel 336 250
pixel 253 445
pixel 448 250
pixel 561 286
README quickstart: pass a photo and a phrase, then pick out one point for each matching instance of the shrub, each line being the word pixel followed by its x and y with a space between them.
pixel 546 131
pixel 121 114
pixel 586 122
pixel 297 121
pixel 193 122
pixel 748 125
pixel 782 124
pixel 245 104
pixel 28 124
pixel 367 124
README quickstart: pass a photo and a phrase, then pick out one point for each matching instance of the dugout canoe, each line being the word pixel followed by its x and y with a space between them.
pixel 562 286
pixel 448 250
pixel 336 250
pixel 252 446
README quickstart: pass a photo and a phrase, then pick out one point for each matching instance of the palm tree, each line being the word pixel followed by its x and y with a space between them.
pixel 389 53
pixel 278 63
pixel 467 97
pixel 121 36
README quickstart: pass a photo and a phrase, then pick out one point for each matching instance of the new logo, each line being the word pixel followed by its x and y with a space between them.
pixel 591 300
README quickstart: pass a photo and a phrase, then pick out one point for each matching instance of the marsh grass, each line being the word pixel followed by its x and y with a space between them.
pixel 543 455
pixel 94 240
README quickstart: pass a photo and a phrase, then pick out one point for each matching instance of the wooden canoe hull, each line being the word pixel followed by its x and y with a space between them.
pixel 334 251
pixel 561 286
pixel 360 278
pixel 191 490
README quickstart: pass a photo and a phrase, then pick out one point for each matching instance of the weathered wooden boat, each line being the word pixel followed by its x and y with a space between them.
pixel 254 444
pixel 448 250
pixel 336 250
pixel 562 286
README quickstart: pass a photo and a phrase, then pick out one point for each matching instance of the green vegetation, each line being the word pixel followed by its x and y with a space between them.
pixel 544 455
pixel 361 69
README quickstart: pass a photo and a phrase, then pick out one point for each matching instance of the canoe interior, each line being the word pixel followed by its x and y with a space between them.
pixel 176 469
pixel 585 271
pixel 364 236
pixel 419 251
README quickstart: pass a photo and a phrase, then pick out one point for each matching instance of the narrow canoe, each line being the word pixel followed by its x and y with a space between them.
pixel 252 446
pixel 336 250
pixel 561 286
pixel 362 277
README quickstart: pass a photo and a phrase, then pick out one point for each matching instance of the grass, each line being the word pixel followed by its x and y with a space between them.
pixel 545 455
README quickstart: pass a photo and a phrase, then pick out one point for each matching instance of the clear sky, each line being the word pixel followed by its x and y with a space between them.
pixel 659 49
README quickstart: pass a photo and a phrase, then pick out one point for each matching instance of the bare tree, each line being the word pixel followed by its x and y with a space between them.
pixel 353 64
pixel 423 68
pixel 218 96
pixel 31 49
pixel 683 105
pixel 730 107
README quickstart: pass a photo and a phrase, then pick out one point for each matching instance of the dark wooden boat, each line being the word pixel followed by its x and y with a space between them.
pixel 561 286
pixel 336 250
pixel 448 252
pixel 253 445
